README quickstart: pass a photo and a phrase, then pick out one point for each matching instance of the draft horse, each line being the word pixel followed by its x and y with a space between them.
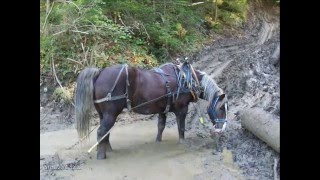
pixel 168 88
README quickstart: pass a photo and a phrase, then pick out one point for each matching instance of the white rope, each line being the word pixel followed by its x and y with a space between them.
pixel 96 144
pixel 78 142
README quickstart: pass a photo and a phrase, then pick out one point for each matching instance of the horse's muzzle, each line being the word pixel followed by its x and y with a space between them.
pixel 216 130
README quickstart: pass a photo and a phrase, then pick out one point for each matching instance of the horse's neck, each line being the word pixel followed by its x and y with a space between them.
pixel 210 87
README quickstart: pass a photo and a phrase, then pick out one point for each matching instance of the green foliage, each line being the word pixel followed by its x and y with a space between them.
pixel 181 32
pixel 233 12
pixel 164 25
pixel 61 94
pixel 81 33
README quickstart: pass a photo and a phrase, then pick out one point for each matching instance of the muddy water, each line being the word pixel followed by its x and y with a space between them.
pixel 136 155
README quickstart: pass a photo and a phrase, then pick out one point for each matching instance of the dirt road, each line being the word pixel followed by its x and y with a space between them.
pixel 246 65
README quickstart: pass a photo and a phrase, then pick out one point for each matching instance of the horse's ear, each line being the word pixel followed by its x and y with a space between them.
pixel 222 96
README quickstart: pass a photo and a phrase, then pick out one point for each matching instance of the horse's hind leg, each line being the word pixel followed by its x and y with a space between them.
pixel 161 125
pixel 106 123
pixel 109 148
pixel 181 117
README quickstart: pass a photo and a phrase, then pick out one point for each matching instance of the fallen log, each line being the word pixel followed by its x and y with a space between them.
pixel 275 57
pixel 263 125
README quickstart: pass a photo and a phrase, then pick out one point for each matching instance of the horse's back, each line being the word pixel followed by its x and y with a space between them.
pixel 155 81
pixel 150 84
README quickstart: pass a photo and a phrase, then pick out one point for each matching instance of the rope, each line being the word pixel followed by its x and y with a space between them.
pixel 151 101
pixel 96 144
pixel 75 144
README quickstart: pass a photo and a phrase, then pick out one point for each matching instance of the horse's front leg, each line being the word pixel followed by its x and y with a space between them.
pixel 181 117
pixel 106 123
pixel 161 125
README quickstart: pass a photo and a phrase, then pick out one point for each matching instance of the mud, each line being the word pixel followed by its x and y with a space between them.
pixel 245 64
pixel 136 156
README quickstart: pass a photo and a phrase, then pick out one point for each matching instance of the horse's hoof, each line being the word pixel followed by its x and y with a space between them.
pixel 101 156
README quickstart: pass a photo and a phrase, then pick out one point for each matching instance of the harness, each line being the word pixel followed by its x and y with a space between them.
pixel 169 93
pixel 125 95
pixel 188 81
pixel 184 83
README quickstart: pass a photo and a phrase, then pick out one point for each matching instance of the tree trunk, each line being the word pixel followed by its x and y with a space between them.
pixel 263 125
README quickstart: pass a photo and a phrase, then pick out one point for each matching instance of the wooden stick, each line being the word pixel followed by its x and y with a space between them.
pixel 193 4
pixel 54 72
pixel 55 75
pixel 45 21
pixel 59 32
pixel 76 31
pixel 75 61
pixel 70 2
pixel 194 96
pixel 194 74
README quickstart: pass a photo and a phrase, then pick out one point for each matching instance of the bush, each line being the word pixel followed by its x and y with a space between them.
pixel 144 33
pixel 78 34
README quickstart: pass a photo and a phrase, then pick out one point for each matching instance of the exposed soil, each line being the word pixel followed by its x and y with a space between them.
pixel 245 64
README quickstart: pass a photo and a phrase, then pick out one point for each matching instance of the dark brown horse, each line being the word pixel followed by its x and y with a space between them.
pixel 169 88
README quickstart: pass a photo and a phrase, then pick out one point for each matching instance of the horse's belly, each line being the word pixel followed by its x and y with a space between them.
pixel 152 108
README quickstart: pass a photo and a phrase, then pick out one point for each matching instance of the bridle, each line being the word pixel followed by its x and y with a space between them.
pixel 215 116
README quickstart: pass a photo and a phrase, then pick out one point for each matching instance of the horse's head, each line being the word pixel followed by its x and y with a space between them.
pixel 217 111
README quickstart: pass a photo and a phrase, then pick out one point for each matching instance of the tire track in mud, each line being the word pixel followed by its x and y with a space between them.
pixel 213 56
pixel 231 54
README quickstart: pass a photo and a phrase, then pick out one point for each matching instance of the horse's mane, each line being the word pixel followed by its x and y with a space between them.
pixel 210 86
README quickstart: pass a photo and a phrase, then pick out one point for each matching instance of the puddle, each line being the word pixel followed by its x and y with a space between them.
pixel 136 155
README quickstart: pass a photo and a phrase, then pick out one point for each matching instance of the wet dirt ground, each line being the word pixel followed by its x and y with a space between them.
pixel 136 156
